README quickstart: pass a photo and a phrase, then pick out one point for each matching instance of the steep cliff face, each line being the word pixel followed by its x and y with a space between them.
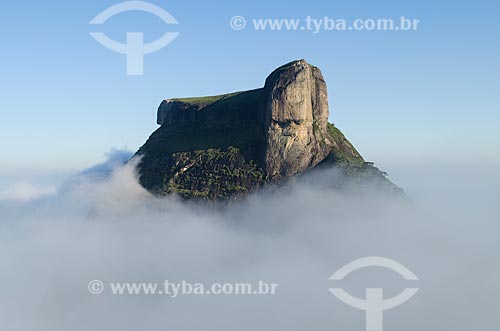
pixel 229 145
pixel 295 117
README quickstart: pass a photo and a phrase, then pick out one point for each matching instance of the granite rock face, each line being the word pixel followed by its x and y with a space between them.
pixel 226 146
pixel 185 111
pixel 295 115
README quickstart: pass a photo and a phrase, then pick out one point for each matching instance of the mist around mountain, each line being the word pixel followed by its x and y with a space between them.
pixel 102 224
pixel 316 208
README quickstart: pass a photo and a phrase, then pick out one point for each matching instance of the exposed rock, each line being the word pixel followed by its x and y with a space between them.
pixel 229 145
pixel 185 111
pixel 295 115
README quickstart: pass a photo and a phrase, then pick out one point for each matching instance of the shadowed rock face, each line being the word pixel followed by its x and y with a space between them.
pixel 171 112
pixel 228 145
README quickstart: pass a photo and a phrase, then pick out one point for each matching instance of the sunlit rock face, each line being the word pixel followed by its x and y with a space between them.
pixel 295 117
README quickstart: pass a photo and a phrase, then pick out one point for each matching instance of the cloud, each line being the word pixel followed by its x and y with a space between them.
pixel 23 190
pixel 101 224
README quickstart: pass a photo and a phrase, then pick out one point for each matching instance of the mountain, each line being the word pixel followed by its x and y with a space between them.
pixel 228 145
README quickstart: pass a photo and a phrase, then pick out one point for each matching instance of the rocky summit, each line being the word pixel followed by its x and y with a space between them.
pixel 226 146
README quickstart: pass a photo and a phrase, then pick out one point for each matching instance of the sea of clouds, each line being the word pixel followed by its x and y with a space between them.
pixel 101 224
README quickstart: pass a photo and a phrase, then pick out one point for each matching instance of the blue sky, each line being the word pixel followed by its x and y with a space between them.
pixel 402 98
